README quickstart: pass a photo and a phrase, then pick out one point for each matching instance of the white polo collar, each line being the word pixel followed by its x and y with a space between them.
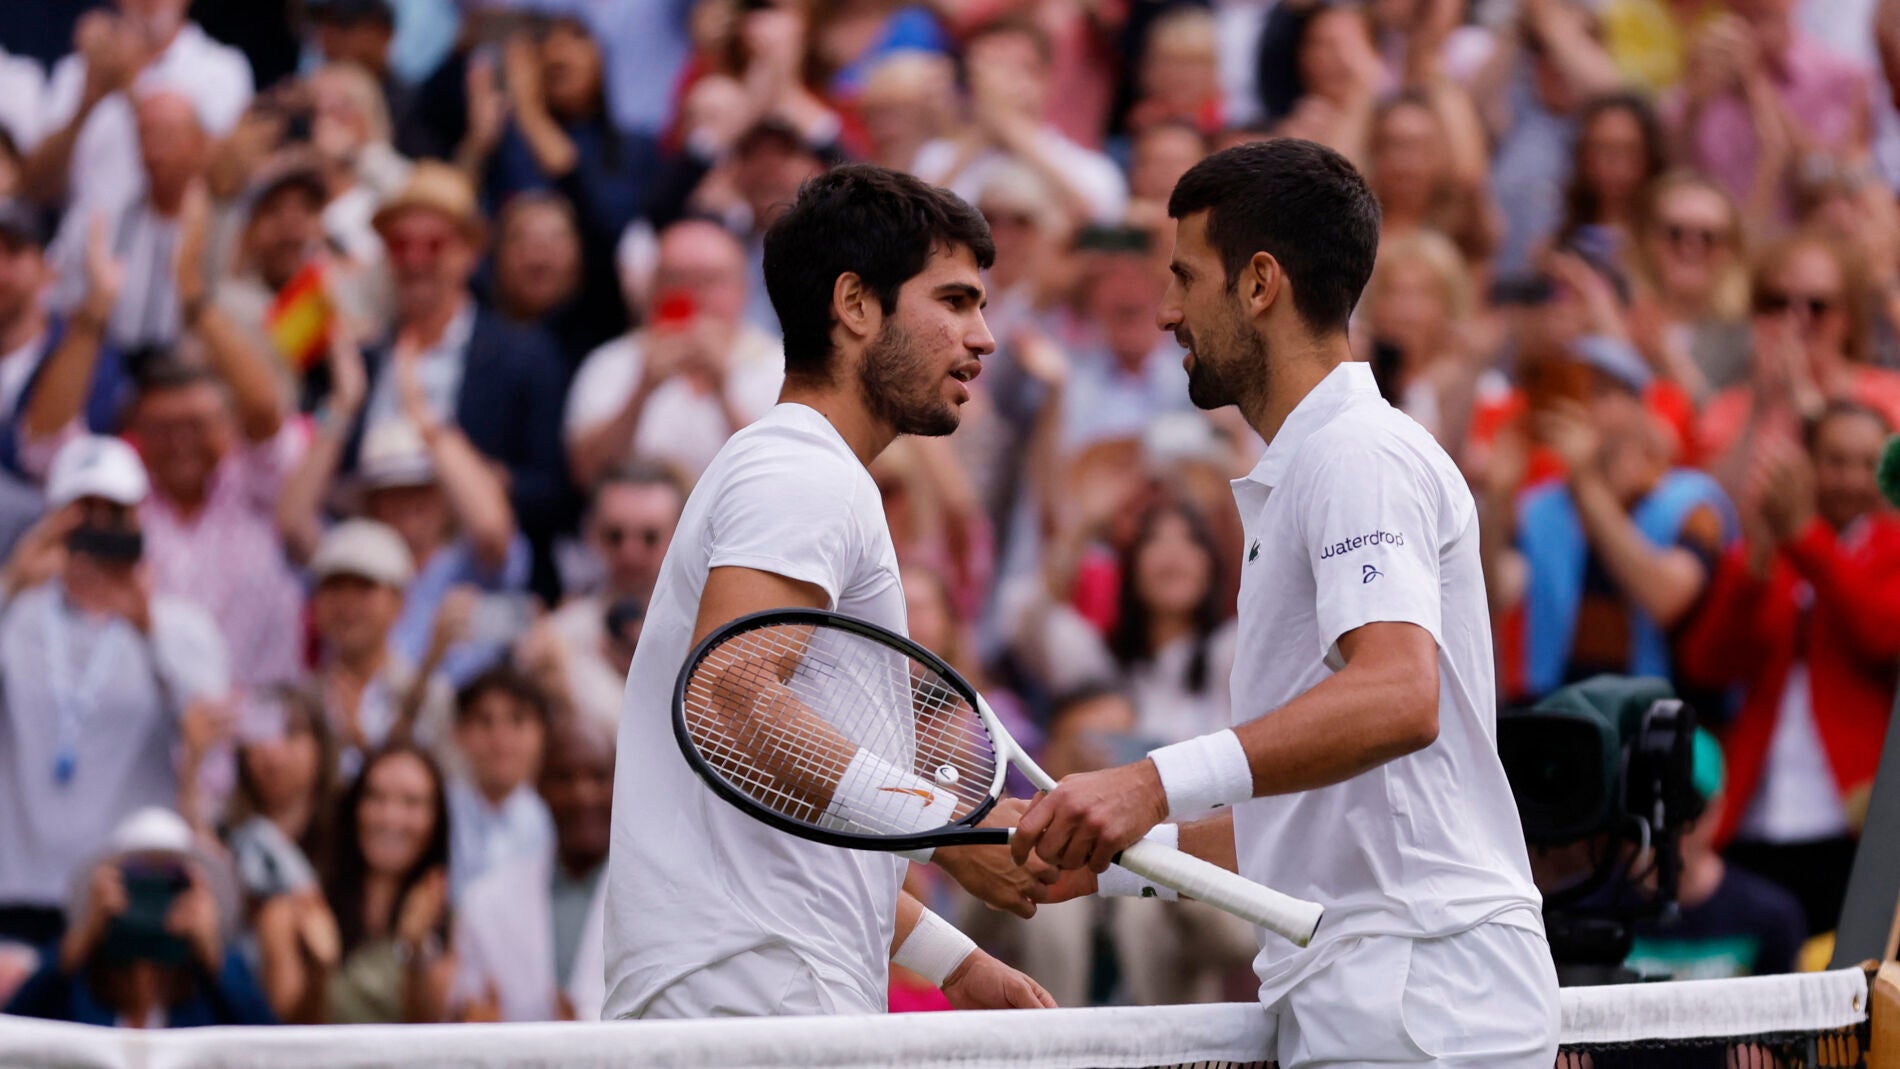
pixel 1344 382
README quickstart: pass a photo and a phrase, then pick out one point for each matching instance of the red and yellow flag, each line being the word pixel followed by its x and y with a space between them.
pixel 299 319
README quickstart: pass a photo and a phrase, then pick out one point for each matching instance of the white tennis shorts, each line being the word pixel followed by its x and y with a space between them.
pixel 764 982
pixel 1482 999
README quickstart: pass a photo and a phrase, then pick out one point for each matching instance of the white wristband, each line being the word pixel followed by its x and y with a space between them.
pixel 1118 882
pixel 1203 773
pixel 877 797
pixel 933 948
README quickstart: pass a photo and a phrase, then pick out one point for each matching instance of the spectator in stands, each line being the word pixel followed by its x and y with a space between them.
pixel 359 32
pixel 33 342
pixel 1804 616
pixel 1418 311
pixel 1762 96
pixel 528 935
pixel 906 102
pixel 371 950
pixel 149 945
pixel 279 821
pixel 495 816
pixel 675 389
pixel 1608 564
pixel 1008 64
pixel 371 694
pixel 1812 337
pixel 152 233
pixel 350 134
pixel 1620 151
pixel 88 155
pixel 498 383
pixel 769 162
pixel 1178 77
pixel 1690 315
pixel 1122 374
pixel 280 240
pixel 1160 152
pixel 85 643
pixel 1733 922
pixel 1428 177
pixel 628 527
pixel 541 279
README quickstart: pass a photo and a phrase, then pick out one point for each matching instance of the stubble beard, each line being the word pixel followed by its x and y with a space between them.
pixel 900 390
pixel 1230 365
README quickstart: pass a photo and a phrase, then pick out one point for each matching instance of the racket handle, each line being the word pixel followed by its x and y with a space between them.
pixel 1294 918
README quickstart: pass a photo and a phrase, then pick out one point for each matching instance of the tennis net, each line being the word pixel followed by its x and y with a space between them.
pixel 1811 1021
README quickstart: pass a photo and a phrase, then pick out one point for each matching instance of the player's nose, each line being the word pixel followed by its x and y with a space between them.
pixel 979 340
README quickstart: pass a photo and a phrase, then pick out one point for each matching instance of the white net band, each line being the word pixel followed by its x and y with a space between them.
pixel 1650 1015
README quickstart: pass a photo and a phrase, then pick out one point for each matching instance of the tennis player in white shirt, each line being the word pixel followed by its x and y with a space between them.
pixel 875 277
pixel 1362 770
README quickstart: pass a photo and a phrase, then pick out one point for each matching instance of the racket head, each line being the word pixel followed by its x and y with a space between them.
pixel 877 689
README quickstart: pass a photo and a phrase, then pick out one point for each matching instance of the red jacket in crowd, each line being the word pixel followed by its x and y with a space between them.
pixel 1749 632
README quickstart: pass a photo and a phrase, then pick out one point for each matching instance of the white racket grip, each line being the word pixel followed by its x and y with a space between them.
pixel 1290 917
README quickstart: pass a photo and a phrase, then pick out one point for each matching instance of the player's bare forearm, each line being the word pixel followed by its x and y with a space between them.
pixel 908 912
pixel 1212 840
pixel 1381 706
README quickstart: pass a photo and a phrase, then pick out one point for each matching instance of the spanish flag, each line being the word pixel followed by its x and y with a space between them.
pixel 299 319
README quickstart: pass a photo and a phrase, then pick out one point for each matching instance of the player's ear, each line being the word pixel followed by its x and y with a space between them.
pixel 855 307
pixel 1261 281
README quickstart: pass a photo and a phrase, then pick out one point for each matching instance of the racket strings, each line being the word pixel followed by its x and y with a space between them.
pixel 781 711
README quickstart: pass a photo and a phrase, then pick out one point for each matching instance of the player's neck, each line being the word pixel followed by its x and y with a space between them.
pixel 1290 379
pixel 864 434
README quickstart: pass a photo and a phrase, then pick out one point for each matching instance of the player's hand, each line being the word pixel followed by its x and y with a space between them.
pixel 981 982
pixel 989 873
pixel 1092 816
pixel 1061 885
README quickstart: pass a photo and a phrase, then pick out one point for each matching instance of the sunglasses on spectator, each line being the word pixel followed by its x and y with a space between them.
pixel 1682 235
pixel 614 536
pixel 402 246
pixel 1812 305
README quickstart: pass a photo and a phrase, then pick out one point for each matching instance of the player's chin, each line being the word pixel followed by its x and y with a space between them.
pixel 937 421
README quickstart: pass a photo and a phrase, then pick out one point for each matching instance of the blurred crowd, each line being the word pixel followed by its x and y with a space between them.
pixel 357 356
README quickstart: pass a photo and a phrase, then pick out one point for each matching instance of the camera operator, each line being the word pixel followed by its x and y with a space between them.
pixel 147 947
pixel 1733 922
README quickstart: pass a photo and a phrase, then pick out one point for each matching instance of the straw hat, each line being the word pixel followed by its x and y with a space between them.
pixel 436 187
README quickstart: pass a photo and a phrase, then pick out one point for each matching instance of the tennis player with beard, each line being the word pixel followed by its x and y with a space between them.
pixel 875 278
pixel 1362 770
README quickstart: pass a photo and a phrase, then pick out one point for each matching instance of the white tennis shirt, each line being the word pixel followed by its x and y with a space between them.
pixel 1354 515
pixel 691 880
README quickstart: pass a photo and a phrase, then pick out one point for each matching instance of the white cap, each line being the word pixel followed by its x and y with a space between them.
pixel 366 549
pixel 152 830
pixel 96 466
pixel 394 454
pixel 158 830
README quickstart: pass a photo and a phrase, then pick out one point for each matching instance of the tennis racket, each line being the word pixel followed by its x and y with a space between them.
pixel 842 732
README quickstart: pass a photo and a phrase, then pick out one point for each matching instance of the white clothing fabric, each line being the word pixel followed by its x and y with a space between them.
pixel 691 880
pixel 1798 801
pixel 439 371
pixel 680 423
pixel 121 743
pixel 504 938
pixel 22 84
pixel 1479 999
pixel 1093 175
pixel 483 836
pixel 770 981
pixel 1354 515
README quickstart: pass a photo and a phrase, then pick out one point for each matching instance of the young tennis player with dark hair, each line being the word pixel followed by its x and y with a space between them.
pixel 875 278
pixel 1362 770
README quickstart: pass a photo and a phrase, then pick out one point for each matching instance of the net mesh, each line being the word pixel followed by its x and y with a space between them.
pixel 781 711
pixel 1818 1019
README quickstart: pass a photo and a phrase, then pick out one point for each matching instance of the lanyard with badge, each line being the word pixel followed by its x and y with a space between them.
pixel 73 702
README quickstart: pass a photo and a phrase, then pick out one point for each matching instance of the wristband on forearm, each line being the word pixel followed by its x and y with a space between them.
pixel 874 796
pixel 933 949
pixel 1203 773
pixel 1118 882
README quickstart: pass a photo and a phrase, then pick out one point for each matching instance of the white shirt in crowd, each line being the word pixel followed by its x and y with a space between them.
pixel 1093 175
pixel 106 175
pixel 1353 516
pixel 87 730
pixel 504 941
pixel 691 880
pixel 21 86
pixel 592 680
pixel 681 424
pixel 484 836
